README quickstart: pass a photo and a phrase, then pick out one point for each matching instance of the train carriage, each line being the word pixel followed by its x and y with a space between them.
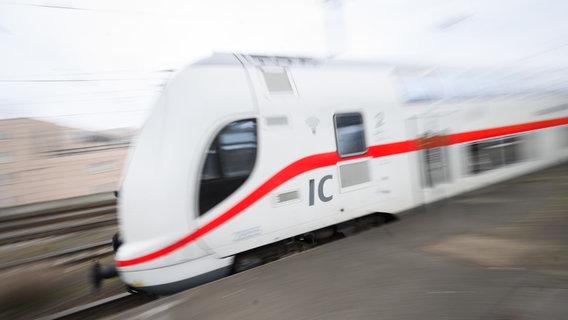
pixel 245 154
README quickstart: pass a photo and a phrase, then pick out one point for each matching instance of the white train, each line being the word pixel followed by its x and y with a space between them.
pixel 245 156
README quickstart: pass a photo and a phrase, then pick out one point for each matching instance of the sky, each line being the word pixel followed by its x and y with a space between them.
pixel 100 64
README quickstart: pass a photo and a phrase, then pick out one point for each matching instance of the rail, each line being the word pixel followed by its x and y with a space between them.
pixel 29 227
pixel 103 307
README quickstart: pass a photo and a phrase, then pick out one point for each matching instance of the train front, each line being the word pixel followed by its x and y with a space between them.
pixel 161 251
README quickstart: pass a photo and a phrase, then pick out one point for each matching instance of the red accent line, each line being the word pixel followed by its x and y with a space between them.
pixel 501 131
pixel 391 149
pixel 294 169
pixel 328 159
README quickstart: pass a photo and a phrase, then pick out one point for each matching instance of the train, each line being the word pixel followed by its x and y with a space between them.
pixel 248 157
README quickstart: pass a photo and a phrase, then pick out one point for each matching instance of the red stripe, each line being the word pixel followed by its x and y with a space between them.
pixel 293 170
pixel 501 131
pixel 328 159
pixel 393 148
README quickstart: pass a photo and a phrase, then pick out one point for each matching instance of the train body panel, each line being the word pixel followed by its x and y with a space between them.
pixel 245 151
pixel 158 181
pixel 488 120
pixel 297 123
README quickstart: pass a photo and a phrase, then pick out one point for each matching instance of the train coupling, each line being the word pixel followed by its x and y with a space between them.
pixel 100 272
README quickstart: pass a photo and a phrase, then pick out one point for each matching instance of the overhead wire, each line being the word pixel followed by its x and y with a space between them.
pixel 73 80
pixel 114 75
pixel 101 99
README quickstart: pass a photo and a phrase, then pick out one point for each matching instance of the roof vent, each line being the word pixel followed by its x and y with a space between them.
pixel 280 61
pixel 277 80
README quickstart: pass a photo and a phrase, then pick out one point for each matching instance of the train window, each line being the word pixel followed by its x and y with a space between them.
pixel 228 163
pixel 350 134
pixel 494 153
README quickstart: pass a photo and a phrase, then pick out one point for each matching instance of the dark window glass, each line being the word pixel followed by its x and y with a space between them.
pixel 511 150
pixel 350 134
pixel 228 163
pixel 494 153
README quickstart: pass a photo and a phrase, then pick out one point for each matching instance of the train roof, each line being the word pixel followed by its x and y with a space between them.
pixel 258 60
pixel 422 83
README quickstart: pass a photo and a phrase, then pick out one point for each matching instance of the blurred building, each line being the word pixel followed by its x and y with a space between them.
pixel 41 161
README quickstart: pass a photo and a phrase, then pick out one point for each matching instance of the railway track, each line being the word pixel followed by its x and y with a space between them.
pixel 81 302
pixel 35 226
pixel 103 307
pixel 46 259
pixel 61 235
pixel 75 255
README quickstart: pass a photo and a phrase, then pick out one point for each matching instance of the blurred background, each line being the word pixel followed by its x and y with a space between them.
pixel 78 78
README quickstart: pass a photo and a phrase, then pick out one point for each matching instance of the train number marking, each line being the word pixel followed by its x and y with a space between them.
pixel 321 195
pixel 247 233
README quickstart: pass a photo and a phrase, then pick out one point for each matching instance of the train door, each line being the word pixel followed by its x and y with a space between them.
pixel 433 174
pixel 354 169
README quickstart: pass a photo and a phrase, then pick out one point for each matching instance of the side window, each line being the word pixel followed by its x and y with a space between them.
pixel 350 134
pixel 229 162
pixel 495 153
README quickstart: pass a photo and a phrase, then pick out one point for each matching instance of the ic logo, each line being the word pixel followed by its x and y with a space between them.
pixel 321 195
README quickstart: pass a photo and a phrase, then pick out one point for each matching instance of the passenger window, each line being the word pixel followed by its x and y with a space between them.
pixel 229 162
pixel 349 134
pixel 495 153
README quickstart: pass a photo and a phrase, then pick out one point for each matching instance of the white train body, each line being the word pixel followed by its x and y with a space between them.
pixel 244 151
